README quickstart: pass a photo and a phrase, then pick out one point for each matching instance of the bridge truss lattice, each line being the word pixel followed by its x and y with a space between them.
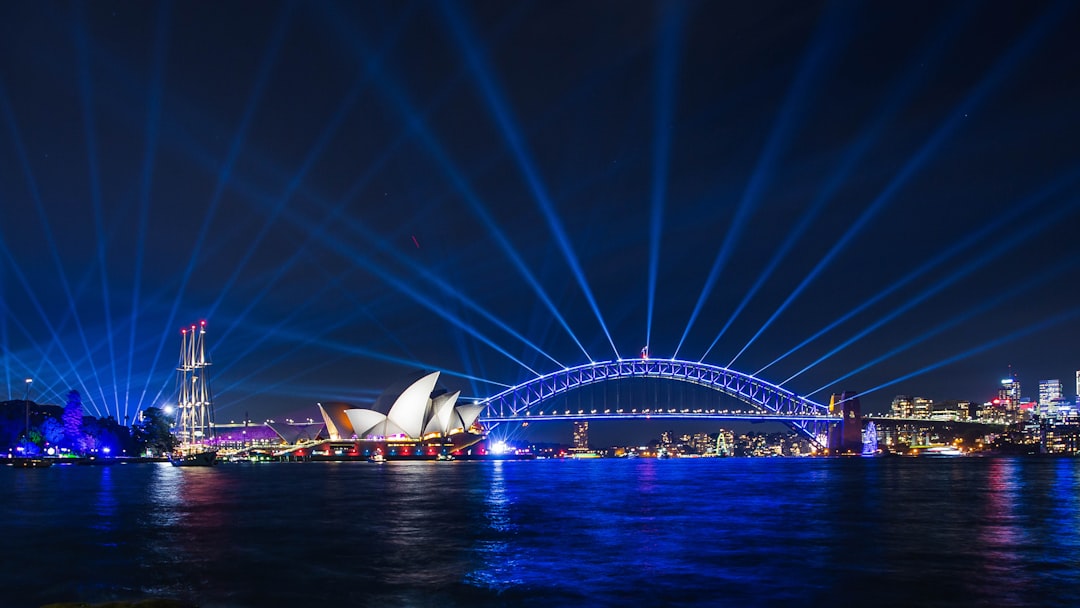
pixel 520 403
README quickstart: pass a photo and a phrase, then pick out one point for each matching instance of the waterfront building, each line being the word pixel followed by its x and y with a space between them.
pixel 1049 392
pixel 922 407
pixel 991 412
pixel 581 434
pixel 413 419
pixel 965 410
pixel 1009 397
pixel 412 412
pixel 667 438
pixel 701 443
pixel 903 407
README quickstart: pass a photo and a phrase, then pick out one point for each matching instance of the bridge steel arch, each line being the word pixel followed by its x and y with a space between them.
pixel 809 418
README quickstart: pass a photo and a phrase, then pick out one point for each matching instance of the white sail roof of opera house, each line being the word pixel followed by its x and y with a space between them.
pixel 412 409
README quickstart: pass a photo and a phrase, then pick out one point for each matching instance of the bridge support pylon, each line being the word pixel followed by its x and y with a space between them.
pixel 846 436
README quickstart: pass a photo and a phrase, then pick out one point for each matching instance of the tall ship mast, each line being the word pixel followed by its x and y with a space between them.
pixel 194 400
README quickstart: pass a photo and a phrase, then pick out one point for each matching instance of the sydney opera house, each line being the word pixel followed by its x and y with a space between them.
pixel 411 420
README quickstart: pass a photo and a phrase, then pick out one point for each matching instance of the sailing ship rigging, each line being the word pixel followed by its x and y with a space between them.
pixel 194 402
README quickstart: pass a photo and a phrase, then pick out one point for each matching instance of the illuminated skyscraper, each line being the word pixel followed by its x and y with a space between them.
pixel 1049 392
pixel 581 434
pixel 1009 397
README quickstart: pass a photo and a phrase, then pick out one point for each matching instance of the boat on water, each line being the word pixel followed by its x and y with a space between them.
pixel 205 458
pixel 32 463
pixel 377 458
pixel 939 451
pixel 194 402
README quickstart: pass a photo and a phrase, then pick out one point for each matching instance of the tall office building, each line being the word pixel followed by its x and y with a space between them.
pixel 1078 387
pixel 1010 390
pixel 1049 392
pixel 1009 397
pixel 581 434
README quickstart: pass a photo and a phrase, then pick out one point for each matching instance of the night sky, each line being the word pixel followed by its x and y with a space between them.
pixel 348 192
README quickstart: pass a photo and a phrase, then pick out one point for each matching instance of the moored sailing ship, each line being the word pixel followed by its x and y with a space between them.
pixel 194 402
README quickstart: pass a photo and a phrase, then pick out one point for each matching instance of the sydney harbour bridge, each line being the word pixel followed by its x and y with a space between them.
pixel 539 398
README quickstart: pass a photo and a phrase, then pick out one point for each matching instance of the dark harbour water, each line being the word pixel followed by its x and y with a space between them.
pixel 703 532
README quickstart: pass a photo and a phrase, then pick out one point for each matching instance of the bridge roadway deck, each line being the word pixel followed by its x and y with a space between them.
pixel 658 415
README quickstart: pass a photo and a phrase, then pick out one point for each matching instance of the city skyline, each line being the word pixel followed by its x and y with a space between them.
pixel 880 199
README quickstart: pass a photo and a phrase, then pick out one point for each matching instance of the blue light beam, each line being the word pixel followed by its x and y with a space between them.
pixel 670 35
pixel 262 77
pixel 974 238
pixel 401 102
pixel 1020 333
pixel 896 98
pixel 1018 289
pixel 1015 239
pixel 153 123
pixel 824 44
pixel 482 73
pixel 86 96
pixel 39 206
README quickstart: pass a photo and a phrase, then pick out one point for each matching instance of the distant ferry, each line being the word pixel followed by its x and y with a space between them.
pixel 582 454
pixel 939 451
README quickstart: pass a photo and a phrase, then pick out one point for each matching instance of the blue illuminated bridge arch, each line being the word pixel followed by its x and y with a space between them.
pixel 524 402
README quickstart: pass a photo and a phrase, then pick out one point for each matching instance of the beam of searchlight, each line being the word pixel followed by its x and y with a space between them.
pixel 822 46
pixel 896 98
pixel 1016 290
pixel 86 96
pixel 350 253
pixel 481 71
pixel 416 124
pixel 36 303
pixel 1020 333
pixel 262 78
pixel 329 131
pixel 956 119
pixel 5 345
pixel 1016 238
pixel 974 238
pixel 671 26
pixel 360 81
pixel 351 349
pixel 35 194
pixel 153 126
pixel 13 357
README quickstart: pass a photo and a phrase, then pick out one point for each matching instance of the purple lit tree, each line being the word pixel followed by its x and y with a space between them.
pixel 52 431
pixel 73 419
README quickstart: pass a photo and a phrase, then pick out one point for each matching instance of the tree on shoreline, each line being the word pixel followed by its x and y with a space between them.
pixel 152 432
pixel 73 416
